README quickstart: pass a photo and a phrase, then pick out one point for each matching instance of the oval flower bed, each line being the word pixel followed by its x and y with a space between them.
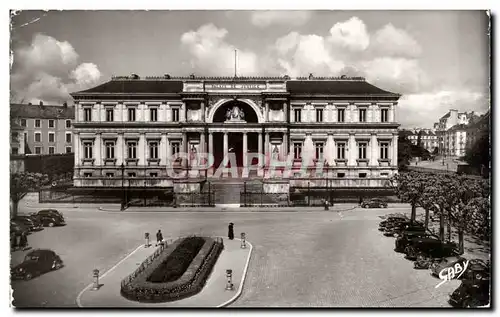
pixel 180 271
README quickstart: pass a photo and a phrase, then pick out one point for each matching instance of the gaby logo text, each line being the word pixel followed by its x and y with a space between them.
pixel 449 273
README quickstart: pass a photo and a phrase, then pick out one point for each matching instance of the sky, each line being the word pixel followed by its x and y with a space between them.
pixel 437 60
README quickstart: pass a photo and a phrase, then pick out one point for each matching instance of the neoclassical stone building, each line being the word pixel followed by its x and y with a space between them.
pixel 129 128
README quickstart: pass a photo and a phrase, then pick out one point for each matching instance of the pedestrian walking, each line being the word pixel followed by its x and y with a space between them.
pixel 159 238
pixel 23 241
pixel 230 231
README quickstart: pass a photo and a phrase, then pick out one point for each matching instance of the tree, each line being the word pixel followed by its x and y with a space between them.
pixel 404 150
pixel 480 153
pixel 23 183
pixel 409 188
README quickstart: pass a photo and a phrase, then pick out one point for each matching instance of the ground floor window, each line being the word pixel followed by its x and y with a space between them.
pixel 297 150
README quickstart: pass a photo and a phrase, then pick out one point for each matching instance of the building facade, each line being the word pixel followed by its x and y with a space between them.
pixel 129 131
pixel 41 129
pixel 477 128
pixel 428 138
pixel 451 132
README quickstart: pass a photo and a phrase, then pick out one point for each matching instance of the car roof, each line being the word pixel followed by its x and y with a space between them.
pixel 38 252
pixel 50 210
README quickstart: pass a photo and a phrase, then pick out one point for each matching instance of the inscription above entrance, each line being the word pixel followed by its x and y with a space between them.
pixel 235 86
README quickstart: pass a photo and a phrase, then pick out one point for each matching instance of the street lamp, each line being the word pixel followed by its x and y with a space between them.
pixel 123 187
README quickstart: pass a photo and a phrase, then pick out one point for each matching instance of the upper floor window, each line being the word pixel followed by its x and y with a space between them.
pixel 384 115
pixel 297 150
pixel 15 150
pixel 132 150
pixel 319 150
pixel 38 123
pixel 341 115
pixel 110 115
pixel 38 137
pixel 14 137
pixel 52 150
pixel 23 122
pixel 362 115
pixel 87 114
pixel 176 147
pixel 341 150
pixel 131 114
pixel 51 123
pixel 110 149
pixel 87 150
pixel 319 115
pixel 68 124
pixel 153 114
pixel 52 137
pixel 153 150
pixel 297 115
pixel 384 150
pixel 38 150
pixel 68 149
pixel 175 114
pixel 362 150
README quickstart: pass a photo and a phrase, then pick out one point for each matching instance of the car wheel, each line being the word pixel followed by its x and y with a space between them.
pixel 28 276
pixel 57 265
pixel 51 224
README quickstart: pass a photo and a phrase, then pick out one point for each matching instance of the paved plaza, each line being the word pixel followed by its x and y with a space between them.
pixel 299 259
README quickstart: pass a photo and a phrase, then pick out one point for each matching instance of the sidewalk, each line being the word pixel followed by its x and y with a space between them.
pixel 212 295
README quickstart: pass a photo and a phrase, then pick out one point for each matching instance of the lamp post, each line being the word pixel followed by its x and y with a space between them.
pixel 229 284
pixel 95 275
pixel 123 187
pixel 243 241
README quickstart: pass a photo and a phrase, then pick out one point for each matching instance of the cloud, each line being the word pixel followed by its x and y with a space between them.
pixel 422 110
pixel 391 41
pixel 267 18
pixel 47 70
pixel 212 55
pixel 351 34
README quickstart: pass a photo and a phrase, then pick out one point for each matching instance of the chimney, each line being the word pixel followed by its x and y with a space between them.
pixel 65 105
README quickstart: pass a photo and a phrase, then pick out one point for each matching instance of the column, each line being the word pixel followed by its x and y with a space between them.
pixel 245 149
pixel 203 148
pixel 76 149
pixel 210 143
pixel 266 116
pixel 285 110
pixel 98 146
pixel 184 149
pixel 266 146
pixel 226 145
pixel 169 152
pixel 352 151
pixel 260 162
pixel 374 149
pixel 163 149
pixel 202 112
pixel 285 145
pixel 394 161
pixel 141 150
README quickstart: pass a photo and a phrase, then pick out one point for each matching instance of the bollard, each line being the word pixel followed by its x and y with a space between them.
pixel 95 274
pixel 326 205
pixel 146 236
pixel 229 275
pixel 243 242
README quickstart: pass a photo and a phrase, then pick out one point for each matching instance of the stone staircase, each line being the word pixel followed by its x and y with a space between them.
pixel 227 192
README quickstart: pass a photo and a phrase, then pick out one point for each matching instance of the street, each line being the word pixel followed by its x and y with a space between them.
pixel 303 259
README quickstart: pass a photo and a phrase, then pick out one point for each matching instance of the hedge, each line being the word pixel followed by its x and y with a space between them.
pixel 137 287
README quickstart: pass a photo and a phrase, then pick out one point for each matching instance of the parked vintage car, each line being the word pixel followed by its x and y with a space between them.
pixel 50 217
pixel 430 247
pixel 406 237
pixel 478 270
pixel 471 294
pixel 30 222
pixel 36 263
pixel 438 265
pixel 374 203
pixel 391 221
pixel 402 227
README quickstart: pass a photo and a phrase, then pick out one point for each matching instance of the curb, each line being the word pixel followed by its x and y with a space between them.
pixel 226 210
pixel 243 277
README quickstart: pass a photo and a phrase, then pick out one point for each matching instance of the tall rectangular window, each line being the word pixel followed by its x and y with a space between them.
pixel 153 114
pixel 384 115
pixel 341 150
pixel 362 115
pixel 68 137
pixel 362 150
pixel 341 115
pixel 37 123
pixel 110 150
pixel 51 123
pixel 23 122
pixel 110 115
pixel 319 115
pixel 14 137
pixel 132 150
pixel 68 124
pixel 52 150
pixel 68 149
pixel 38 150
pixel 384 150
pixel 87 150
pixel 52 137
pixel 319 150
pixel 38 137
pixel 87 114
pixel 131 114
pixel 15 150
pixel 153 150
pixel 297 113
pixel 176 147
pixel 297 150
pixel 175 114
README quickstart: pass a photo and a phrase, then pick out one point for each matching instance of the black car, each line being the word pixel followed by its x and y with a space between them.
pixel 50 217
pixel 374 203
pixel 391 221
pixel 406 238
pixel 430 247
pixel 402 227
pixel 36 263
pixel 30 222
pixel 471 294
